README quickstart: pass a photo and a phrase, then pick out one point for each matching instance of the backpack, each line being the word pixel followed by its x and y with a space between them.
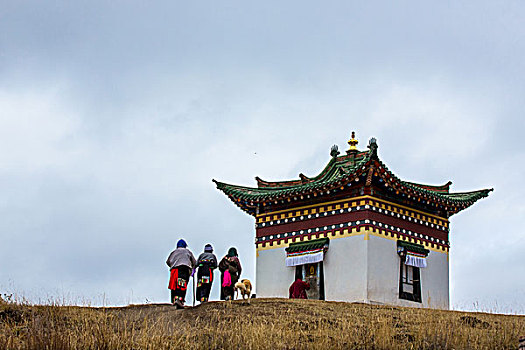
pixel 227 279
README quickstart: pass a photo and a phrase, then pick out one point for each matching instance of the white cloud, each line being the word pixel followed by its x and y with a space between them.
pixel 432 116
pixel 35 129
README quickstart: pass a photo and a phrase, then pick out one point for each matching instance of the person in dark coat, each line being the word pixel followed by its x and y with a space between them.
pixel 206 263
pixel 181 262
pixel 298 289
pixel 231 265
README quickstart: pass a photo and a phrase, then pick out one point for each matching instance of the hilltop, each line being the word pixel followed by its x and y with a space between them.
pixel 262 324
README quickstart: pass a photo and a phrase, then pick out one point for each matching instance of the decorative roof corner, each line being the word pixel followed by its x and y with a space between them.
pixel 304 178
pixel 334 151
pixel 372 146
pixel 440 188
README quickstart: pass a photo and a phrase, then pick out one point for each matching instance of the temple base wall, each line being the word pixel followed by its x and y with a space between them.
pixel 345 271
pixel 383 276
pixel 272 276
pixel 360 268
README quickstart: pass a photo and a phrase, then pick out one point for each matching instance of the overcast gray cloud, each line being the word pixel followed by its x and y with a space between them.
pixel 115 116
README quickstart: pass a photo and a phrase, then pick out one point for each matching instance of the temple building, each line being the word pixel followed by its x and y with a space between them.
pixel 355 232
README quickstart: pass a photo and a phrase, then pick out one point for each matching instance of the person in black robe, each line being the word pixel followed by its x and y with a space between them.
pixel 206 263
pixel 230 265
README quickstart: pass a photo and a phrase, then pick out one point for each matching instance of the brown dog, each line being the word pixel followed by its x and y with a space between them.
pixel 244 287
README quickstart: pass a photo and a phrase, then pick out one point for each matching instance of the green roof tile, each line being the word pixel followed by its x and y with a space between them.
pixel 308 245
pixel 413 247
pixel 341 170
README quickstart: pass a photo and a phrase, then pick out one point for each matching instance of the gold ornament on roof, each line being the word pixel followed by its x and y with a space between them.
pixel 353 143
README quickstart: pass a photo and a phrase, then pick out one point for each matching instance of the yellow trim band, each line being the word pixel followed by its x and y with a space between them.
pixel 312 205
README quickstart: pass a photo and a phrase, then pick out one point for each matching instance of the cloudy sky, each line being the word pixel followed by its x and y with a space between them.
pixel 116 115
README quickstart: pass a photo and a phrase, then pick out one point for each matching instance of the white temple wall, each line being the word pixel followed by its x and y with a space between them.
pixel 362 268
pixel 345 269
pixel 383 276
pixel 435 281
pixel 273 277
pixel 383 270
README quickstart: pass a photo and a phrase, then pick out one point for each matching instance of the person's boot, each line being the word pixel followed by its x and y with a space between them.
pixel 179 303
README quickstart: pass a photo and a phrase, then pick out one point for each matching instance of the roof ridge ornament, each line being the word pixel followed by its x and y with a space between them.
pixel 334 151
pixel 353 143
pixel 372 145
pixel 303 177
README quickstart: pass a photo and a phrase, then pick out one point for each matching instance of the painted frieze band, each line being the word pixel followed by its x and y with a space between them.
pixel 337 207
pixel 344 229
pixel 335 219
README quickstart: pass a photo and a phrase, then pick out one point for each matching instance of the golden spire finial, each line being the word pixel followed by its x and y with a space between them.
pixel 352 142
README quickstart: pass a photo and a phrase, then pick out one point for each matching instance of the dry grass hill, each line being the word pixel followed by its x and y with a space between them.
pixel 262 324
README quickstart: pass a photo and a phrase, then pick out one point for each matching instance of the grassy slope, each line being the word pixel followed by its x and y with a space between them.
pixel 263 324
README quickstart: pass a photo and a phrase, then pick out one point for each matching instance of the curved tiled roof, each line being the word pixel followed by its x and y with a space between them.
pixel 303 179
pixel 341 171
pixel 335 171
pixel 441 189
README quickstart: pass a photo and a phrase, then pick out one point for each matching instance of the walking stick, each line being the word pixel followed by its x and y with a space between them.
pixel 194 288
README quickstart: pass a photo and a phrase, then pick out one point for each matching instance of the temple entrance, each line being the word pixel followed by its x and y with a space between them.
pixel 313 274
pixel 307 257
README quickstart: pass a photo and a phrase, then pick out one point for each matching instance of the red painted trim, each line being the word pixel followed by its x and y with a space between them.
pixel 348 217
pixel 331 234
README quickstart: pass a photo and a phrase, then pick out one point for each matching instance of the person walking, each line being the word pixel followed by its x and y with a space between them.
pixel 181 262
pixel 206 263
pixel 230 268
